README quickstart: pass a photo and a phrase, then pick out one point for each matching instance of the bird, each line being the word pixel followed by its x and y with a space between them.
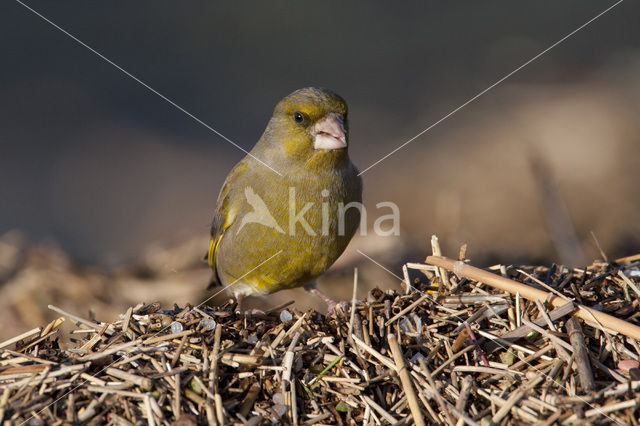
pixel 289 208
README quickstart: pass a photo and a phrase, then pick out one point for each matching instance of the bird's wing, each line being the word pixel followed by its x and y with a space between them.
pixel 226 211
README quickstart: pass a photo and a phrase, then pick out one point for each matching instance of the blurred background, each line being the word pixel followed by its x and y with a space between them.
pixel 107 190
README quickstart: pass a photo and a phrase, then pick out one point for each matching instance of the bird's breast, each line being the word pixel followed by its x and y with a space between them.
pixel 304 220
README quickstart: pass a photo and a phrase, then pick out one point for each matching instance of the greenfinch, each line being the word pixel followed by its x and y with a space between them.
pixel 289 208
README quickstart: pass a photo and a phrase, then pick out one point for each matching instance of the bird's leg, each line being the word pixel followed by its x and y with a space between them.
pixel 239 299
pixel 239 302
pixel 331 304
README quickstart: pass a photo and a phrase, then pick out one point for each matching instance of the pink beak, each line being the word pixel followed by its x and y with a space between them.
pixel 329 133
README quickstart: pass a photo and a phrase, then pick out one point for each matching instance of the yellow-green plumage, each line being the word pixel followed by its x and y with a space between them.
pixel 253 258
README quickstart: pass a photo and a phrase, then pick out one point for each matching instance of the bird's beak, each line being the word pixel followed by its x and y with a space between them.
pixel 328 133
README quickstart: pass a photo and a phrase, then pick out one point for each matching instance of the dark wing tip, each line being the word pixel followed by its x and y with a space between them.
pixel 213 282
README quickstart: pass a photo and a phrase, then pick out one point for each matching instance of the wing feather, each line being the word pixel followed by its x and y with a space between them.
pixel 226 209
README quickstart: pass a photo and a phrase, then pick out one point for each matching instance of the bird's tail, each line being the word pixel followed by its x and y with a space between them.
pixel 214 281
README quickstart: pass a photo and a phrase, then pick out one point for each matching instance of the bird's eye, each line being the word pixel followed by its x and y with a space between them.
pixel 298 117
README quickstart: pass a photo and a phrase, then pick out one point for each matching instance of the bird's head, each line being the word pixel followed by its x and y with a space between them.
pixel 310 125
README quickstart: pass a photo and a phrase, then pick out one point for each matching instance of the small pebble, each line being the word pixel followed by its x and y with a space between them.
pixel 278 398
pixel 208 324
pixel 285 316
pixel 280 410
pixel 252 339
pixel 176 327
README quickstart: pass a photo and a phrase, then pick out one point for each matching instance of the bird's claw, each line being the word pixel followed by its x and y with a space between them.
pixel 334 308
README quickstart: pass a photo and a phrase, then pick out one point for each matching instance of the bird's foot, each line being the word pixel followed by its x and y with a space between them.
pixel 238 309
pixel 333 307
